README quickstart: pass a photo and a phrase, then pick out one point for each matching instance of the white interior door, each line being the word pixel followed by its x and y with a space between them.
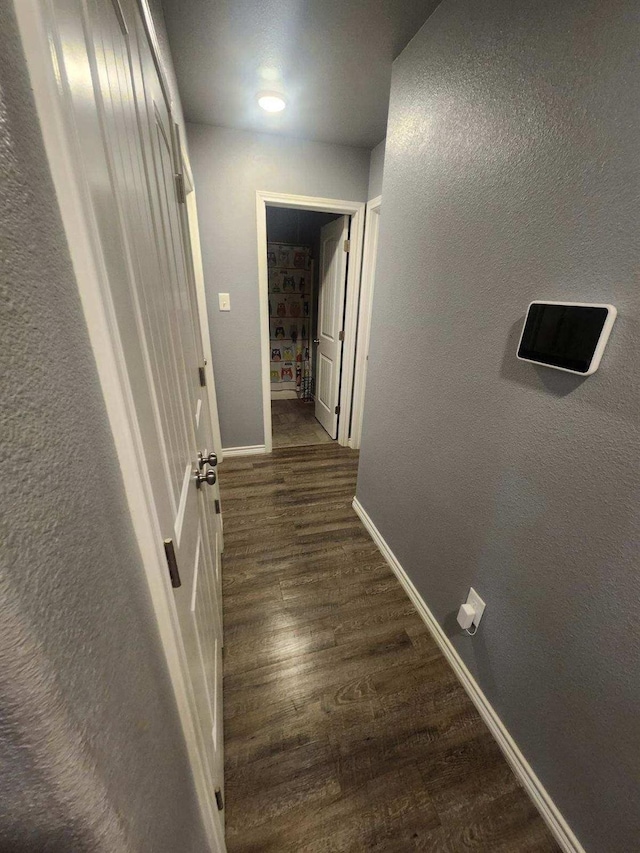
pixel 333 275
pixel 195 525
pixel 122 118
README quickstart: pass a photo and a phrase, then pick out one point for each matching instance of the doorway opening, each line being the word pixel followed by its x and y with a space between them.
pixel 309 261
pixel 296 265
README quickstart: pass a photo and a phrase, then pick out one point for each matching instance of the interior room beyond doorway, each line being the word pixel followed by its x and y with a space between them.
pixel 293 249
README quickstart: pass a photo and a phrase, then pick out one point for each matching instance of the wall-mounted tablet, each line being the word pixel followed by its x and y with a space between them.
pixel 567 336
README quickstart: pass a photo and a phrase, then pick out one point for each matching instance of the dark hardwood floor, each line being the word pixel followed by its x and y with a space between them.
pixel 294 424
pixel 345 728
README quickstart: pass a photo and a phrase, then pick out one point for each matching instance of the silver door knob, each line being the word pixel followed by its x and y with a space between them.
pixel 209 477
pixel 316 340
pixel 207 459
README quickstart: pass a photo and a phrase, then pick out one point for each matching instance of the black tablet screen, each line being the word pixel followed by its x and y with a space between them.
pixel 562 335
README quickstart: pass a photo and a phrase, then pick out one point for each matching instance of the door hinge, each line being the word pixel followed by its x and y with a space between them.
pixel 203 378
pixel 219 800
pixel 340 336
pixel 182 197
pixel 217 503
pixel 347 245
pixel 337 410
pixel 172 563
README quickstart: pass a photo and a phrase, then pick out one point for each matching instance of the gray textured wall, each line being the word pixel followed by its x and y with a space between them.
pixel 376 169
pixel 91 753
pixel 512 173
pixel 229 166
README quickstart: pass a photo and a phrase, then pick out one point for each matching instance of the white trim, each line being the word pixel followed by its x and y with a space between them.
pixel 370 251
pixel 248 450
pixel 356 238
pixel 523 770
pixel 152 38
pixel 201 295
pixel 189 219
pixel 182 506
pixel 41 44
pixel 356 210
pixel 194 591
pixel 265 333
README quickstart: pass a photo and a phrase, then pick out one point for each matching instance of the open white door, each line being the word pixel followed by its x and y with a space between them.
pixel 333 274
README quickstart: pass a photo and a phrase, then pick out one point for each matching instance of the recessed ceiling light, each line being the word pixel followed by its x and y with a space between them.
pixel 271 102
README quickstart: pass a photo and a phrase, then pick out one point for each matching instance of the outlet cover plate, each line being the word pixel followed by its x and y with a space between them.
pixel 478 605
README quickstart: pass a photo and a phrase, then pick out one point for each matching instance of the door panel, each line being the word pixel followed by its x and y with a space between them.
pixel 198 611
pixel 202 606
pixel 333 274
pixel 126 135
pixel 325 380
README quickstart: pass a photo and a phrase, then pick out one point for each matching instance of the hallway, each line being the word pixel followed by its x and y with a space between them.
pixel 345 728
pixel 295 425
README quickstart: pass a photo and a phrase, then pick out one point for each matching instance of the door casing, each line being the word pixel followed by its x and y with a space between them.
pixel 356 210
pixel 369 259
pixel 194 234
pixel 39 37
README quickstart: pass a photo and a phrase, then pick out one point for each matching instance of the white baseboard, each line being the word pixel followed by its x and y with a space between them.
pixel 523 770
pixel 249 450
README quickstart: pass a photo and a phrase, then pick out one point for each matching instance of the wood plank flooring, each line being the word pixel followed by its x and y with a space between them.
pixel 345 729
pixel 294 424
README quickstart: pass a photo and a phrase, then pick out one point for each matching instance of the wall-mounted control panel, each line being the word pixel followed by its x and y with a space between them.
pixel 569 336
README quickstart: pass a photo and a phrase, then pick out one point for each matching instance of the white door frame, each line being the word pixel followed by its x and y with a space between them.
pixel 196 251
pixel 356 210
pixel 369 256
pixel 39 36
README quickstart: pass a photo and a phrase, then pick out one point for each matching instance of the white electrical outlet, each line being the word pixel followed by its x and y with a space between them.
pixel 471 611
pixel 478 606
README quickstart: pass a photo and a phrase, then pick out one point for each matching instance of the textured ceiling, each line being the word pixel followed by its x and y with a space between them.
pixel 332 59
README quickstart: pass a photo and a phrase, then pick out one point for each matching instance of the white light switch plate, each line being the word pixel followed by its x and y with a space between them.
pixel 478 605
pixel 224 302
